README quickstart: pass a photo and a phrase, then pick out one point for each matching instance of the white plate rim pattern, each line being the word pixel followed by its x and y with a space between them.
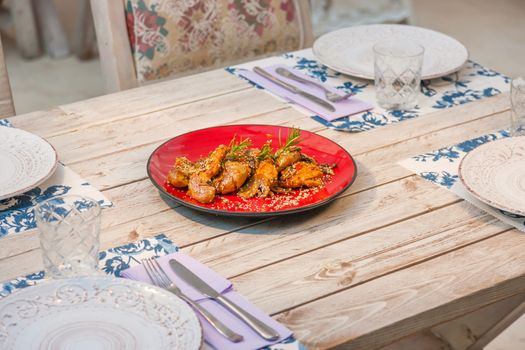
pixel 134 298
pixel 469 186
pixel 49 167
pixel 363 75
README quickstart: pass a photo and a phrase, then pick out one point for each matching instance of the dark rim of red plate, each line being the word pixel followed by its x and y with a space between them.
pixel 249 214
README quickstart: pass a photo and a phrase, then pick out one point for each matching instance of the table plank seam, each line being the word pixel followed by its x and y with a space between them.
pixel 436 130
pixel 340 240
pixel 316 131
pixel 222 234
pixel 156 140
pixel 132 116
pixel 437 255
pixel 415 319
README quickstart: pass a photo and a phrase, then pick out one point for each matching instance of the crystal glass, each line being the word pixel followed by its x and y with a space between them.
pixel 517 99
pixel 397 69
pixel 69 235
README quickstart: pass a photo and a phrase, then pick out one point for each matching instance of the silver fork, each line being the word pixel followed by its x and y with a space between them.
pixel 159 278
pixel 330 96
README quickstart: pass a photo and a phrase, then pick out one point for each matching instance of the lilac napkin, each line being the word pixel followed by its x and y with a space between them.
pixel 343 108
pixel 251 339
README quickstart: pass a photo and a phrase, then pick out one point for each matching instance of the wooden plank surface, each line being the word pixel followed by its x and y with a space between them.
pixel 397 304
pixel 380 263
pixel 153 215
pixel 130 103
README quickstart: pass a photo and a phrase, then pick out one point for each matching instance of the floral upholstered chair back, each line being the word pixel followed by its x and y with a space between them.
pixel 173 36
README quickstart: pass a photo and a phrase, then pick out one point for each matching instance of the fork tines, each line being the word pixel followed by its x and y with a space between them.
pixel 155 273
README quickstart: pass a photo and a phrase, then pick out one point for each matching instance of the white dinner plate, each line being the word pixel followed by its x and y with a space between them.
pixel 97 313
pixel 494 173
pixel 350 50
pixel 26 161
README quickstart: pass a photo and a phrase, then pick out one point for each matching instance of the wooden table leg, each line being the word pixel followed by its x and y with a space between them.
pixel 475 330
pixel 422 340
pixel 469 332
pixel 7 107
pixel 53 37
pixel 499 327
pixel 85 45
pixel 26 29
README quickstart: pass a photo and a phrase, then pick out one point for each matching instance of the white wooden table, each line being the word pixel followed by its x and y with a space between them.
pixel 394 256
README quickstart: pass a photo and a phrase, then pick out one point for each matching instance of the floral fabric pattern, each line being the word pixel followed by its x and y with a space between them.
pixel 172 36
pixel 473 82
pixel 441 168
pixel 152 34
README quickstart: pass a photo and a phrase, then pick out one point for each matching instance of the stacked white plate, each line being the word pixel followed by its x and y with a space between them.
pixel 26 161
pixel 350 50
pixel 494 173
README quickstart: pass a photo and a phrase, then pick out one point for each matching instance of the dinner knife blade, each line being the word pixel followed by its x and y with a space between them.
pixel 294 89
pixel 196 282
pixel 192 279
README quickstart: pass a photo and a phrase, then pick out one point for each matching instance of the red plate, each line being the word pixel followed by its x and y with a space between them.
pixel 199 143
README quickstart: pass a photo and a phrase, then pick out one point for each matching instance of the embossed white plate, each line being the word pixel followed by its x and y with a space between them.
pixel 97 313
pixel 349 50
pixel 494 173
pixel 26 161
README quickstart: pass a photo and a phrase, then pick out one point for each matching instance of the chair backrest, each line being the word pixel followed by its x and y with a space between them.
pixel 144 40
pixel 7 108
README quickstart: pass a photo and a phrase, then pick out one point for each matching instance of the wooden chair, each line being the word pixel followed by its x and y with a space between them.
pixel 284 27
pixel 7 108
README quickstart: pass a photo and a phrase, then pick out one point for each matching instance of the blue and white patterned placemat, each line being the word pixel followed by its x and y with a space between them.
pixel 112 261
pixel 441 168
pixel 16 213
pixel 472 83
pixel 115 260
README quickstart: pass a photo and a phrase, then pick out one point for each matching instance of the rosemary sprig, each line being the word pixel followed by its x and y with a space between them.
pixel 237 148
pixel 291 142
pixel 265 152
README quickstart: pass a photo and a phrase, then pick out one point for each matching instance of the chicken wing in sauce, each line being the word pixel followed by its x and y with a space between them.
pixel 301 174
pixel 251 172
pixel 262 182
pixel 287 158
pixel 200 186
pixel 179 175
pixel 233 176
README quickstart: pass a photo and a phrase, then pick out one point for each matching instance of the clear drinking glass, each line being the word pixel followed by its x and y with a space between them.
pixel 517 99
pixel 69 235
pixel 397 68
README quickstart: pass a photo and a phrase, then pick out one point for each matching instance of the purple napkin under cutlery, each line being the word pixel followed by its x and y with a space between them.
pixel 251 339
pixel 343 108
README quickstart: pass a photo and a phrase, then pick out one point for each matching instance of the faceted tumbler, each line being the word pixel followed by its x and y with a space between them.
pixel 517 99
pixel 69 235
pixel 397 70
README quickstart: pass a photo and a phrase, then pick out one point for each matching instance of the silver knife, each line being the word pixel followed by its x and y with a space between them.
pixel 196 282
pixel 294 89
